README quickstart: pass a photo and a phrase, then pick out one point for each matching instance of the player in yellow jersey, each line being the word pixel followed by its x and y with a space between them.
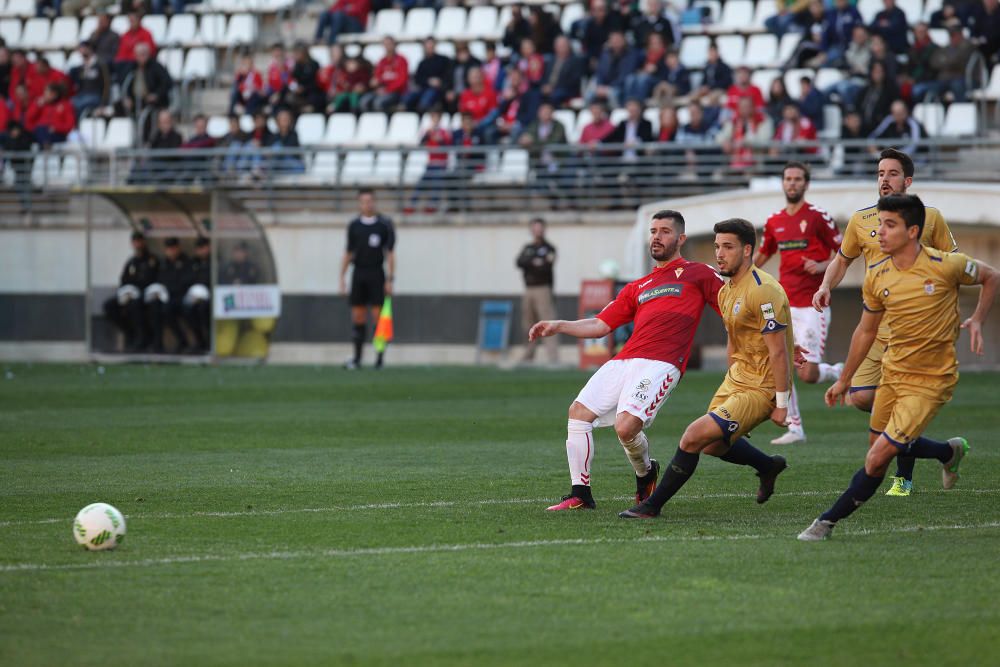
pixel 915 290
pixel 895 175
pixel 757 318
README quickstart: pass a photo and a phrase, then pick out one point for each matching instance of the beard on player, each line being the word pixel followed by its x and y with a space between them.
pixel 794 196
pixel 660 252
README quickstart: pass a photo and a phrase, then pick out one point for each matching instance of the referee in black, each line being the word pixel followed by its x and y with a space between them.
pixel 370 242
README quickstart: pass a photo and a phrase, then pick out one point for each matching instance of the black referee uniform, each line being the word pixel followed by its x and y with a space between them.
pixel 368 240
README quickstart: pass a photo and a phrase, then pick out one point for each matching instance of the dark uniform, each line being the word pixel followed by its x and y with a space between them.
pixel 198 313
pixel 368 239
pixel 536 261
pixel 175 276
pixel 240 273
pixel 128 314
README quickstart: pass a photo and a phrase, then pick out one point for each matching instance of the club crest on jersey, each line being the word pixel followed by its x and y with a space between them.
pixel 929 286
pixel 678 272
pixel 736 307
pixel 803 225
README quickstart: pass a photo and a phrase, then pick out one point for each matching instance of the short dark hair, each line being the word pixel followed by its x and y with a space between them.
pixel 909 208
pixel 668 214
pixel 742 228
pixel 201 242
pixel 537 220
pixel 172 242
pixel 795 164
pixel 899 156
pixel 366 191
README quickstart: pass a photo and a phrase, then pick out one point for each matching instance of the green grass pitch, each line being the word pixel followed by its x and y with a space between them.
pixel 310 516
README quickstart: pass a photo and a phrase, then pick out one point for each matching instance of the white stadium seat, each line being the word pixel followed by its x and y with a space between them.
pixel 416 165
pixel 74 59
pixel 939 36
pixel 46 168
pixel 694 50
pixel 241 29
pixel 992 89
pixel 618 115
pixel 120 24
pixel 419 23
pixel 371 129
pixel 730 49
pixel 65 33
pixel 10 31
pixel 35 34
pixel 761 51
pixel 182 30
pixel 388 22
pixel 310 127
pixel 246 123
pixel 340 129
pixel 87 27
pixel 173 60
pixel 786 47
pixel 478 49
pixel 792 83
pixel 831 122
pixel 570 14
pixel 714 9
pixel 212 30
pixel 92 132
pixel 425 122
pixel 914 9
pixel 764 10
pixel 869 8
pixel 324 167
pixel 568 119
pixel 57 60
pixel 320 54
pixel 482 22
pixel 514 165
pixel 373 53
pixel 388 167
pixel 404 129
pixel 827 76
pixel 653 116
pixel 737 16
pixel 931 116
pixel 120 134
pixel 199 64
pixel 445 49
pixel 22 8
pixel 762 78
pixel 412 51
pixel 960 120
pixel 450 23
pixel 930 7
pixel 218 127
pixel 357 167
pixel 74 169
pixel 156 24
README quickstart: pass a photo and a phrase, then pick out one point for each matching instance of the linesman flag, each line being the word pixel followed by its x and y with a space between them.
pixel 383 330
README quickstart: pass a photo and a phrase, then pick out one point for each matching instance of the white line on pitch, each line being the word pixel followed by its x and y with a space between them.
pixel 441 503
pixel 450 548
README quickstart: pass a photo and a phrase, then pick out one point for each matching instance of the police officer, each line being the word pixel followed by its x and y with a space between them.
pixel 197 300
pixel 165 298
pixel 126 309
pixel 241 270
pixel 535 261
pixel 370 242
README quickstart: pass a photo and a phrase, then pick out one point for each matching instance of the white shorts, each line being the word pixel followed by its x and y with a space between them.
pixel 810 328
pixel 636 386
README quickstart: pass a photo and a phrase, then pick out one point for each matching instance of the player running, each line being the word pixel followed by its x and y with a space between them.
pixel 895 175
pixel 629 390
pixel 915 289
pixel 806 236
pixel 756 314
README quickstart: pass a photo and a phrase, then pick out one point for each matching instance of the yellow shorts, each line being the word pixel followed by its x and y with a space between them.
pixel 869 373
pixel 738 408
pixel 906 404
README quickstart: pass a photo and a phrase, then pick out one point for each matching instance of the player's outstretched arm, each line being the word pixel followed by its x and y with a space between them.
pixel 989 278
pixel 861 342
pixel 831 278
pixel 588 328
pixel 777 351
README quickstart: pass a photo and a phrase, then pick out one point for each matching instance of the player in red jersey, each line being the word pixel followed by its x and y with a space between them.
pixel 806 236
pixel 627 392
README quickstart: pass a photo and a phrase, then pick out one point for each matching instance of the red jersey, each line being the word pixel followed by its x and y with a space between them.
pixel 129 40
pixel 666 307
pixel 809 234
pixel 734 94
pixel 434 138
pixel 57 116
pixel 278 75
pixel 478 105
pixel 393 73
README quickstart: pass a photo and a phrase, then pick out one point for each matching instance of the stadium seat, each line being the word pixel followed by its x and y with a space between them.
pixel 371 129
pixel 218 126
pixel 199 64
pixel 694 51
pixel 324 167
pixel 241 29
pixel 714 9
pixel 869 8
pixel 412 51
pixel 960 120
pixel 357 167
pixel 445 49
pixel 310 127
pixel 120 24
pixel 212 30
pixel 45 170
pixel 419 24
pixel 173 60
pixel 482 22
pixel 388 167
pixel 10 31
pixel 35 34
pixel 827 76
pixel 939 36
pixel 57 60
pixel 931 116
pixel 246 123
pixel 340 129
pixel 74 169
pixel 570 14
pixel 120 134
pixel 65 33
pixel 87 27
pixel 786 47
pixel 416 165
pixel 182 30
pixel 583 119
pixel 653 116
pixel 914 10
pixel 792 84
pixel 992 89
pixel 425 122
pixel 156 24
pixel 374 53
pixel 320 54
pixel 387 22
pixel 22 8
pixel 683 116
pixel 761 51
pixel 478 49
pixel 930 7
pixel 764 10
pixel 617 116
pixel 403 130
pixel 831 122
pixel 74 59
pixel 730 49
pixel 762 78
pixel 514 166
pixel 92 131
pixel 568 119
pixel 502 20
pixel 737 16
pixel 450 23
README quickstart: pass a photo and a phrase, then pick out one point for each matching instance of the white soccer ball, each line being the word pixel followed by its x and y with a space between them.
pixel 99 526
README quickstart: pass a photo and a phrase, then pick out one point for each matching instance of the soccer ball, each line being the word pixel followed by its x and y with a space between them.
pixel 99 526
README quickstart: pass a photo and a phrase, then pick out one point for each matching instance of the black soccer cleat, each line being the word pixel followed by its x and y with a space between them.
pixel 766 488
pixel 640 511
pixel 645 485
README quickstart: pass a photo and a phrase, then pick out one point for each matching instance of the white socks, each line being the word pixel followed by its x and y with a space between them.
pixel 794 416
pixel 637 450
pixel 579 450
pixel 830 372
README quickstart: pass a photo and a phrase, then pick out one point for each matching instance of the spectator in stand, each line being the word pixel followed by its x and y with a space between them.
pixel 234 141
pixel 389 82
pixel 517 107
pixel 811 102
pixel 596 31
pixel 652 20
pixel 856 161
pixel 432 182
pixel 51 118
pixel 478 101
pixel 518 29
pixel 4 119
pixel 128 45
pixel 43 76
pixel 838 26
pixel 882 53
pixel 19 104
pixel 898 130
pixel 592 169
pixel 951 12
pixel 676 81
pixel 431 80
pixel 791 17
pixel 809 51
pixel 544 29
pixel 469 158
pixel 279 75
pixel 698 137
pixel 464 62
pixel 668 125
pixel 92 81
pixel 743 88
pixel 618 60
pixel 344 16
pixel 148 86
pixel 196 169
pixel 891 24
pixel 985 20
pixel 304 94
pixel 160 6
pixel 200 139
pixel 716 79
pixel 104 41
pixel 874 101
pixel 749 128
pixel 22 71
pixel 949 62
pixel 792 132
pixel 19 141
pixel 562 80
pixel 857 61
pixel 919 67
pixel 159 168
pixel 640 83
pixel 251 166
pixel 777 98
pixel 599 127
pixel 248 93
pixel 284 144
pixel 531 63
pixel 493 68
pixel 550 178
pixel 632 133
pixel 345 94
pixel 4 70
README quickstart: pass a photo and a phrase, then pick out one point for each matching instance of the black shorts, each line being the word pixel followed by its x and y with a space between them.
pixel 367 288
